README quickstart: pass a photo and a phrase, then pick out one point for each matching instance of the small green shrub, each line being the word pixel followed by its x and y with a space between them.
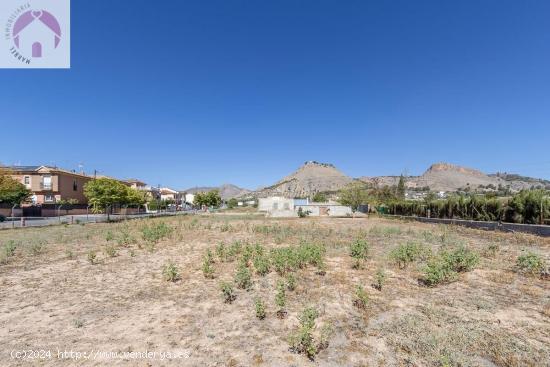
pixel 111 251
pixel 303 213
pixel 280 298
pixel 37 247
pixel 438 271
pixel 242 277
pixel 461 259
pixel 259 306
pixel 247 254
pixel 359 250
pixel 227 292
pixel 405 254
pixel 155 232
pixel 303 341
pixel 291 282
pixel 379 279
pixel 444 267
pixel 9 248
pixel 361 299
pixel 125 239
pixel 207 269
pixel 530 263
pixel 109 236
pixel 261 264
pixel 221 251
pixel 170 272
pixel 92 257
pixel 492 250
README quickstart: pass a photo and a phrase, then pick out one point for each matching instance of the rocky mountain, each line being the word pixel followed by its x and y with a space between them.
pixel 227 191
pixel 450 177
pixel 310 178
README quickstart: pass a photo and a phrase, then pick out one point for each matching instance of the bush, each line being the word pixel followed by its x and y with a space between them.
pixel 303 213
pixel 207 269
pixel 359 250
pixel 280 298
pixel 303 340
pixel 156 232
pixel 445 267
pixel 170 272
pixel 259 306
pixel 291 282
pixel 109 236
pixel 9 248
pixel 379 279
pixel 492 250
pixel 261 264
pixel 243 277
pixel 438 271
pixel 407 253
pixel 227 292
pixel 221 251
pixel 2 218
pixel 530 263
pixel 462 259
pixel 111 251
pixel 361 299
pixel 92 257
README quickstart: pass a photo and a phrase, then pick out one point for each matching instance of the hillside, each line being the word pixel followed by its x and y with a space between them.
pixel 310 178
pixel 450 177
pixel 227 191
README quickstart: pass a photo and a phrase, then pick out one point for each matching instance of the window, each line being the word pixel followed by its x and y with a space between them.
pixel 47 183
pixel 27 180
pixel 49 198
pixel 287 206
pixel 75 186
pixel 275 206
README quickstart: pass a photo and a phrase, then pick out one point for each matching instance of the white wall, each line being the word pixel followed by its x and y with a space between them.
pixel 280 203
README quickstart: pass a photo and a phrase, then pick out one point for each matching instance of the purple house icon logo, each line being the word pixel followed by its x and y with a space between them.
pixel 36 32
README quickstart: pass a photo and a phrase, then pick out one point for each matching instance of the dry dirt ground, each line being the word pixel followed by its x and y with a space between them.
pixel 53 298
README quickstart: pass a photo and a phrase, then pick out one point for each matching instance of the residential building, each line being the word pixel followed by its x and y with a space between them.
pixel 50 185
pixel 151 192
pixel 171 195
pixel 284 207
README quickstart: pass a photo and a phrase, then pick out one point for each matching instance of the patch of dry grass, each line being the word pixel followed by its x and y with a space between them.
pixel 488 315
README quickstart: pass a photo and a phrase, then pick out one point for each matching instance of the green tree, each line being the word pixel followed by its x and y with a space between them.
pixel 232 203
pixel 12 191
pixel 102 193
pixel 354 195
pixel 208 199
pixel 400 191
pixel 319 197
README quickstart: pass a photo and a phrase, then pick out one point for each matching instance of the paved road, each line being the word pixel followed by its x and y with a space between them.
pixel 75 219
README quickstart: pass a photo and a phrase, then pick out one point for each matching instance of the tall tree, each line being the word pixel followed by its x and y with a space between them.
pixel 208 199
pixel 354 195
pixel 105 192
pixel 12 191
pixel 400 192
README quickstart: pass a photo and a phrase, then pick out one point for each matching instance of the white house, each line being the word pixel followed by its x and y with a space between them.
pixel 283 207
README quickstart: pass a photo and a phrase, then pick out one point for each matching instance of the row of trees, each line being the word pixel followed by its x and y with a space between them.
pixel 527 206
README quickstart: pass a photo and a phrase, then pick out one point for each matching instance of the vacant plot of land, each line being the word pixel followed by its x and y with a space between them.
pixel 244 291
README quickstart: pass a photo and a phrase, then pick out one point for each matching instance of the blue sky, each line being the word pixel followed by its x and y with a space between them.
pixel 185 93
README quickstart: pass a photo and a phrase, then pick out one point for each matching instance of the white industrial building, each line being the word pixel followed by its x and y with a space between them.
pixel 277 206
